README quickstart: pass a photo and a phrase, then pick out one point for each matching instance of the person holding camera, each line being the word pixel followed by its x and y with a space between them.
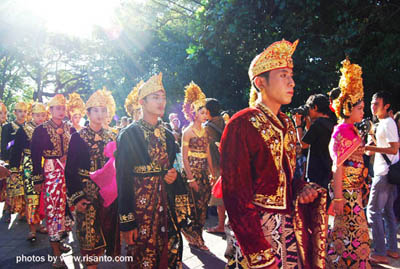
pixel 315 136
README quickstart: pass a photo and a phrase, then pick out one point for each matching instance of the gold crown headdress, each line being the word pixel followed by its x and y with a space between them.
pixel 277 55
pixel 102 98
pixel 75 105
pixel 351 89
pixel 3 107
pixel 35 107
pixel 132 105
pixel 57 100
pixel 194 99
pixel 21 106
pixel 154 84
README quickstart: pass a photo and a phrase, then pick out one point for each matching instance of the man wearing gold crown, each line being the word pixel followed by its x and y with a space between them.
pixel 50 142
pixel 96 224
pixel 148 194
pixel 15 187
pixel 258 159
pixel 21 154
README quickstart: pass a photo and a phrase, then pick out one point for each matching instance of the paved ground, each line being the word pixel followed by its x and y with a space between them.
pixel 13 246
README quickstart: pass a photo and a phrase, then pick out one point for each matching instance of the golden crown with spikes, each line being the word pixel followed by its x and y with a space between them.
pixel 102 98
pixel 132 106
pixel 57 100
pixel 351 88
pixel 3 107
pixel 38 108
pixel 194 100
pixel 277 55
pixel 21 106
pixel 154 84
pixel 75 105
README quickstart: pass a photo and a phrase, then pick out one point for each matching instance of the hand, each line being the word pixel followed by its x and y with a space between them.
pixel 297 119
pixel 14 176
pixel 307 195
pixel 194 186
pixel 38 187
pixel 130 236
pixel 338 206
pixel 81 206
pixel 4 172
pixel 170 176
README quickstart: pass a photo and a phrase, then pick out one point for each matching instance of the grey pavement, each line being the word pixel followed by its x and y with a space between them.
pixel 13 246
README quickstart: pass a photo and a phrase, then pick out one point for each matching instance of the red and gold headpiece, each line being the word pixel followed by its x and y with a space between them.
pixel 277 55
pixel 194 100
pixel 132 106
pixel 351 89
pixel 21 106
pixel 57 100
pixel 75 105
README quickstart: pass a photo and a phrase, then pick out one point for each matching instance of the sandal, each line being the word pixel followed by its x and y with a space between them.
pixel 32 237
pixel 42 230
pixel 376 259
pixel 59 263
pixel 64 248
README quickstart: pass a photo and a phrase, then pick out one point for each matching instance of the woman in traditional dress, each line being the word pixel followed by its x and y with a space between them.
pixel 348 241
pixel 76 110
pixel 197 163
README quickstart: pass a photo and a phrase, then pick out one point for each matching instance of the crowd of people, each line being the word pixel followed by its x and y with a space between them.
pixel 147 184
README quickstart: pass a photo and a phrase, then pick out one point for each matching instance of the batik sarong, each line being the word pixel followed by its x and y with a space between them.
pixel 55 198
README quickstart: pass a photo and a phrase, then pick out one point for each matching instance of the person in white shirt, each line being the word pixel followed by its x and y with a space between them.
pixel 383 194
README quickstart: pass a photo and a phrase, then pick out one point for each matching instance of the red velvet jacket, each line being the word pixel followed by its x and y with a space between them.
pixel 258 159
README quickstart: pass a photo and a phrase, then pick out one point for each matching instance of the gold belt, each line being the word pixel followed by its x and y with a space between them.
pixel 201 155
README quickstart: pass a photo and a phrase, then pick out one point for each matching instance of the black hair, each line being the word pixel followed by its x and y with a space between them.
pixel 321 102
pixel 213 106
pixel 385 96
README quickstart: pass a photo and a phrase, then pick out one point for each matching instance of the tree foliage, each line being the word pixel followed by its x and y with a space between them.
pixel 211 42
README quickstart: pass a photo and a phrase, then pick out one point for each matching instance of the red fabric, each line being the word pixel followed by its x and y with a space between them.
pixel 248 168
pixel 42 213
pixel 217 189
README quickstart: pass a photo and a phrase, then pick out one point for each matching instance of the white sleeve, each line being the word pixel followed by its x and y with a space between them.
pixel 391 132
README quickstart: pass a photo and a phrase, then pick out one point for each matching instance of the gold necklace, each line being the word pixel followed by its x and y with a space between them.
pixel 199 133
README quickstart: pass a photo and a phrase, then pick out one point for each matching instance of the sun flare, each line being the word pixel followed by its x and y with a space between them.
pixel 73 17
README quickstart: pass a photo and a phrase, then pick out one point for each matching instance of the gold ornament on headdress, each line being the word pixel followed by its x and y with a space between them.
pixel 102 98
pixel 57 100
pixel 277 55
pixel 75 105
pixel 21 106
pixel 194 100
pixel 154 84
pixel 351 87
pixel 38 108
pixel 132 106
pixel 3 107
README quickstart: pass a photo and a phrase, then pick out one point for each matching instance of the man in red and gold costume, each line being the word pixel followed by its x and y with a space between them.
pixel 278 221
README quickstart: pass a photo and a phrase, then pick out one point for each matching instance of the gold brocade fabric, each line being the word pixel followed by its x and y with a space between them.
pixel 158 242
pixel 198 200
pixel 348 241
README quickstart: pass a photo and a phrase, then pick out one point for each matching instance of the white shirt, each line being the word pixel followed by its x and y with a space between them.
pixel 385 133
